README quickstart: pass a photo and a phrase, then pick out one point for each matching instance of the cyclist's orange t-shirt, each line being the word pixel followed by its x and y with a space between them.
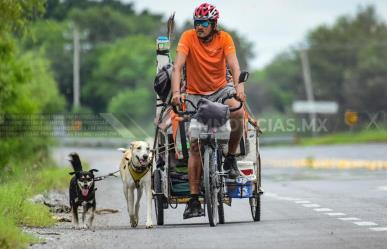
pixel 205 63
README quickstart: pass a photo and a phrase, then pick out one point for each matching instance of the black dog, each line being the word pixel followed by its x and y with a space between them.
pixel 82 191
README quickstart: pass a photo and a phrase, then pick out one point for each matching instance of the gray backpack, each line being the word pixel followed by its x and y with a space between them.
pixel 162 83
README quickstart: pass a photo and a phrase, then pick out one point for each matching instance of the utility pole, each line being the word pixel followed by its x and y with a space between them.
pixel 76 85
pixel 308 86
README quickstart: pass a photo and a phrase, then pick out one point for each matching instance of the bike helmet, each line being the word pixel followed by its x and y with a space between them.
pixel 206 11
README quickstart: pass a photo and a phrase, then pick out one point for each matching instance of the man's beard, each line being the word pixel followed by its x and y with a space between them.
pixel 205 38
pixel 200 33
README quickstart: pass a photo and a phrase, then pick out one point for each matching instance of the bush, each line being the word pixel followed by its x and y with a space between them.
pixel 27 88
pixel 133 103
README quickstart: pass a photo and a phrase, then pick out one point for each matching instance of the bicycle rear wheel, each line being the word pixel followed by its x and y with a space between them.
pixel 255 201
pixel 159 199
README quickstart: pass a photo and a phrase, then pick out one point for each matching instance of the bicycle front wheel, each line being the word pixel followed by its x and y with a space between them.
pixel 211 193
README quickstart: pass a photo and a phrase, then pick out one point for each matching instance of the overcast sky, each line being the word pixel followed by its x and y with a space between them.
pixel 272 25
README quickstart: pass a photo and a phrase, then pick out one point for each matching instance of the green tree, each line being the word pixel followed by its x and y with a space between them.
pixel 347 59
pixel 16 14
pixel 126 64
pixel 347 65
pixel 59 9
pixel 136 104
pixel 275 87
pixel 42 88
pixel 27 85
pixel 54 39
pixel 101 24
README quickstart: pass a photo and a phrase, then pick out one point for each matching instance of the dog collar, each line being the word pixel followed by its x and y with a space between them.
pixel 137 176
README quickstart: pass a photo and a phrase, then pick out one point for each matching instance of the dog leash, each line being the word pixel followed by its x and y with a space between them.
pixel 99 178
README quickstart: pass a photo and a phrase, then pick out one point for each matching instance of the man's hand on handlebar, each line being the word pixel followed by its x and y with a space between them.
pixel 176 98
pixel 240 92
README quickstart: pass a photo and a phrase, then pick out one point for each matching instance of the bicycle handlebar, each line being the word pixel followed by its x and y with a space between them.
pixel 182 113
pixel 243 77
pixel 233 109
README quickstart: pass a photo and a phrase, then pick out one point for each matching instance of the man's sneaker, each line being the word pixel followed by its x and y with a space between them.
pixel 230 165
pixel 193 209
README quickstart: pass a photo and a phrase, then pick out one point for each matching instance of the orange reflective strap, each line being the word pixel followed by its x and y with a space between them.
pixel 183 103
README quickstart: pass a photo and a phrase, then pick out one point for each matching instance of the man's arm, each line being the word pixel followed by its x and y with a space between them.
pixel 233 63
pixel 176 77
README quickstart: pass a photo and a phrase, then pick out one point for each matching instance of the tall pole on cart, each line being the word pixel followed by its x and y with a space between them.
pixel 162 58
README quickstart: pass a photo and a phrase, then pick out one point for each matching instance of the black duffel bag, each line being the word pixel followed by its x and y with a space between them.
pixel 162 83
pixel 213 114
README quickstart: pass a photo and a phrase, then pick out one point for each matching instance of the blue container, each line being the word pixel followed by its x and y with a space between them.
pixel 240 189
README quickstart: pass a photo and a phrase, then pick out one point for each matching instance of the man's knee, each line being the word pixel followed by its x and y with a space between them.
pixel 238 114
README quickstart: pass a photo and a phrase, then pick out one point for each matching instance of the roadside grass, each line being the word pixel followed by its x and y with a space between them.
pixel 15 208
pixel 365 136
pixel 11 236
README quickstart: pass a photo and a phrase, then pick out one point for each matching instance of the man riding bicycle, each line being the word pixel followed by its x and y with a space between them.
pixel 206 51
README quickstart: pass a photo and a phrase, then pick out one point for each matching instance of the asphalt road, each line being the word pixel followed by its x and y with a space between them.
pixel 301 208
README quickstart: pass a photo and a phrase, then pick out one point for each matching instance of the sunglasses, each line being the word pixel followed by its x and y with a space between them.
pixel 202 23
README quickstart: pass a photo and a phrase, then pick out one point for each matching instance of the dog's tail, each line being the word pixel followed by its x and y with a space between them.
pixel 75 162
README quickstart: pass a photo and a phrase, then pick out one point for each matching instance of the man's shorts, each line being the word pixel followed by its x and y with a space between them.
pixel 227 90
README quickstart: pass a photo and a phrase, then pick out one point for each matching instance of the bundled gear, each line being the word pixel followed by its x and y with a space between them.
pixel 213 114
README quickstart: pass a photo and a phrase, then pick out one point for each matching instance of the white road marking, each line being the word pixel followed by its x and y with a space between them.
pixel 382 188
pixel 349 218
pixel 276 196
pixel 315 206
pixel 294 199
pixel 302 202
pixel 378 229
pixel 365 223
pixel 311 205
pixel 322 209
pixel 289 199
pixel 336 214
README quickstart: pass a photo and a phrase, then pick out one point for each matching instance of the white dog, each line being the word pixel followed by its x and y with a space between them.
pixel 135 169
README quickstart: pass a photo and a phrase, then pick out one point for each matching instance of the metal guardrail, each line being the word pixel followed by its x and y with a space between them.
pixel 124 142
pixel 281 139
pixel 93 142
